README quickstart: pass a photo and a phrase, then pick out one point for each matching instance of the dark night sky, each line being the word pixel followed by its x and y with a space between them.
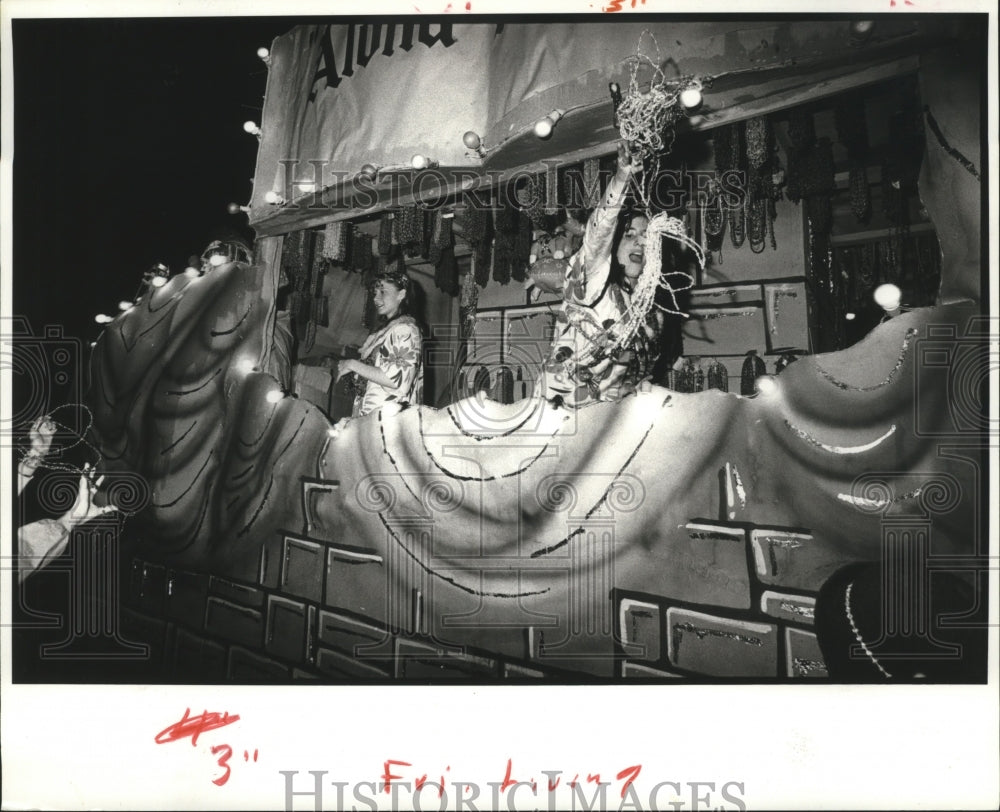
pixel 129 145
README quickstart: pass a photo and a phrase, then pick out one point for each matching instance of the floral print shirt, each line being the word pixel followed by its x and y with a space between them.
pixel 396 349
pixel 580 368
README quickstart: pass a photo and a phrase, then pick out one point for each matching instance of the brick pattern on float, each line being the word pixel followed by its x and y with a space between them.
pixel 318 611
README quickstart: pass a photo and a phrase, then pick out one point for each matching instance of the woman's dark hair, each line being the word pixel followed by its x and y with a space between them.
pixel 630 212
pixel 402 282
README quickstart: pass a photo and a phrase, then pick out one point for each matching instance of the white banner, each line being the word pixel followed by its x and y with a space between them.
pixel 341 96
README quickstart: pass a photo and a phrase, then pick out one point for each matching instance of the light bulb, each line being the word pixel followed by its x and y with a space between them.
pixel 543 127
pixel 236 208
pixel 245 365
pixel 766 385
pixel 192 273
pixel 850 316
pixel 691 98
pixel 124 306
pixel 251 128
pixel 273 198
pixel 158 281
pixel 419 161
pixel 887 296
pixel 306 186
pixel 263 53
pixel 274 396
pixel 102 318
pixel 472 140
pixel 217 259
pixel 862 28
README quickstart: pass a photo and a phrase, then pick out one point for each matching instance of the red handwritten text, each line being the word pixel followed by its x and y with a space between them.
pixel 619 5
pixel 627 776
pixel 194 726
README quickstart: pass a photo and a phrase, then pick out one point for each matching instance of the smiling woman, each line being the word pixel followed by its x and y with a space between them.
pixel 391 366
pixel 585 365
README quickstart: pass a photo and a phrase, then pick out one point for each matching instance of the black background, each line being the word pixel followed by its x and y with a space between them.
pixel 129 145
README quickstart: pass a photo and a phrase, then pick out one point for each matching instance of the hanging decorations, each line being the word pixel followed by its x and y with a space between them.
pixel 860 193
pixel 733 167
pixel 868 265
pixel 385 234
pixel 757 225
pixel 852 133
pixel 646 119
pixel 294 266
pixel 531 197
pixel 481 383
pixel 801 129
pixel 505 224
pixel 645 116
pixel 350 239
pixel 747 167
pixel 753 368
pixel 409 230
pixel 442 253
pixel 758 134
pixel 691 376
pixel 816 169
pixel 468 302
pixel 477 228
pixel 503 389
pixel 738 224
pixel 522 248
pixel 362 256
pixel 334 241
pixel 713 218
pixel 718 376
pixel 435 246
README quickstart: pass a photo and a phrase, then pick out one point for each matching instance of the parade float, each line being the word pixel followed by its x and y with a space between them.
pixel 683 531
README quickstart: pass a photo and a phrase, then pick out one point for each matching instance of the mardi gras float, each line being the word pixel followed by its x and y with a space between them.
pixel 684 530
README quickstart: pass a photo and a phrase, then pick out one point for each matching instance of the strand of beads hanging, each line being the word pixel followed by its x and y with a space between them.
pixel 758 137
pixel 533 195
pixel 714 215
pixel 652 278
pixel 861 196
pixel 646 118
pixel 738 222
pixel 757 225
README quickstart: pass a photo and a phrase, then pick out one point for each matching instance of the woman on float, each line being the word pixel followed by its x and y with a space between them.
pixel 391 363
pixel 585 364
